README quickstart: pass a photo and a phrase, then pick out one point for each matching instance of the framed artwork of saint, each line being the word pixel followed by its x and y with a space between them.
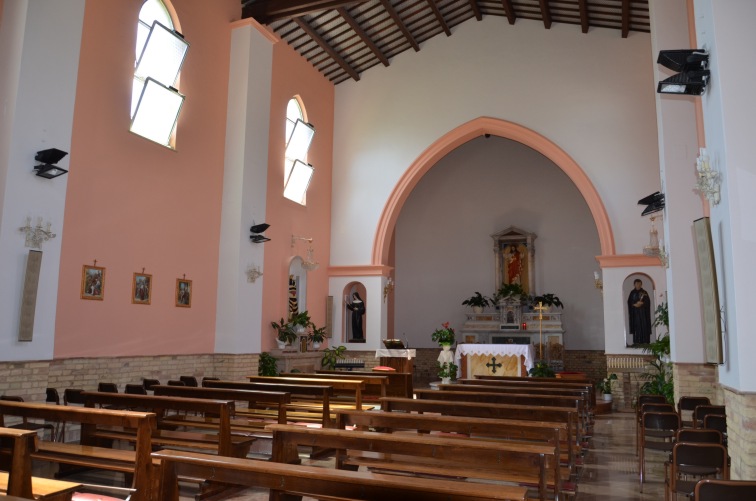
pixel 183 293
pixel 514 257
pixel 93 282
pixel 141 289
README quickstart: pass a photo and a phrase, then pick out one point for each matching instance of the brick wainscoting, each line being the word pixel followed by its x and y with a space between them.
pixel 741 424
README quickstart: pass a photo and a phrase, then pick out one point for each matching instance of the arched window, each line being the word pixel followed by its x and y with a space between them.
pixel 297 172
pixel 160 52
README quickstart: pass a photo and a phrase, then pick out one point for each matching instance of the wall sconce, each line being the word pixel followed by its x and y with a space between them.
pixel 597 282
pixel 36 235
pixel 654 203
pixel 49 158
pixel 708 179
pixel 257 237
pixel 253 273
pixel 388 288
pixel 693 76
pixel 309 262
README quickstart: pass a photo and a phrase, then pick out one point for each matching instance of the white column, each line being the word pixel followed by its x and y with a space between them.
pixel 239 309
pixel 39 63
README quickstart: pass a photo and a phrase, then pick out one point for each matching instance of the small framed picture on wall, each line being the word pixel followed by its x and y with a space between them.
pixel 183 293
pixel 141 289
pixel 92 282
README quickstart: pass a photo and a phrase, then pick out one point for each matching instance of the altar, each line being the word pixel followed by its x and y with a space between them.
pixel 494 359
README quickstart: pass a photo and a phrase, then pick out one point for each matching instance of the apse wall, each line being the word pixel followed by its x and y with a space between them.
pixel 591 94
pixel 444 250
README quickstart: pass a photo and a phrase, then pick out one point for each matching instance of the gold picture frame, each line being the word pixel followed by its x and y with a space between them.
pixel 183 293
pixel 141 289
pixel 92 282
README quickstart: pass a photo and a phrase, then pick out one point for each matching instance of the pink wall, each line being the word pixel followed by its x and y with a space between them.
pixel 293 75
pixel 132 204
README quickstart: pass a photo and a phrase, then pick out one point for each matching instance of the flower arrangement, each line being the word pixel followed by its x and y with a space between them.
pixel 605 385
pixel 444 336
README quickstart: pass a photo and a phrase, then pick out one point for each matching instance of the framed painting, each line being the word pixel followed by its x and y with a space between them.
pixel 141 289
pixel 515 258
pixel 183 293
pixel 92 282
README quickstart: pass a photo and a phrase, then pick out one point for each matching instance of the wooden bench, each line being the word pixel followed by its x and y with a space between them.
pixel 399 383
pixel 319 482
pixel 375 384
pixel 444 457
pixel 532 389
pixel 222 443
pixel 247 420
pixel 575 404
pixel 553 434
pixel 539 381
pixel 318 396
pixel 137 462
pixel 16 478
pixel 349 387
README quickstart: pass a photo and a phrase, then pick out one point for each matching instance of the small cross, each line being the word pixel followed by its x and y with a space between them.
pixel 95 262
pixel 540 309
pixel 493 365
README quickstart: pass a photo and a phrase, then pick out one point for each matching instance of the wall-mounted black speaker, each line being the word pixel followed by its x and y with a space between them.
pixel 712 325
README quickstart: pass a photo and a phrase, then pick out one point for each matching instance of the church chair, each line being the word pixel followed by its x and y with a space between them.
pixel 176 382
pixel 699 436
pixel 717 422
pixel 149 383
pixel 690 462
pixel 135 389
pixel 53 397
pixel 658 422
pixel 208 378
pixel 689 404
pixel 645 399
pixel 25 424
pixel 652 407
pixel 189 381
pixel 701 411
pixel 731 490
pixel 107 387
pixel 71 396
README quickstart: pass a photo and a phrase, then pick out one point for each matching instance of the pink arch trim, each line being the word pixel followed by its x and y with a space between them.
pixel 466 132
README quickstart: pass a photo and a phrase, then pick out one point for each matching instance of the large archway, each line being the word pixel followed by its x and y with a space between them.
pixel 466 132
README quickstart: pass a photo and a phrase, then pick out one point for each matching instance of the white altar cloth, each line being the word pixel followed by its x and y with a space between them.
pixel 399 353
pixel 496 350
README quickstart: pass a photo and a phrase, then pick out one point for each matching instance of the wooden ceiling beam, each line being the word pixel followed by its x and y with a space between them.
pixel 326 47
pixel 509 9
pixel 546 13
pixel 267 11
pixel 400 24
pixel 363 36
pixel 476 9
pixel 585 22
pixel 439 17
pixel 625 18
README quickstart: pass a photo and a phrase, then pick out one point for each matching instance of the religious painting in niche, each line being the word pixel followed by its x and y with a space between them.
pixel 293 300
pixel 141 289
pixel 93 282
pixel 354 313
pixel 183 293
pixel 514 258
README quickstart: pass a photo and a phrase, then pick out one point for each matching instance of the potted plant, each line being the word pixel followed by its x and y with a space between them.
pixel 548 299
pixel 444 337
pixel 659 380
pixel 541 369
pixel 506 291
pixel 331 356
pixel 266 365
pixel 605 386
pixel 284 333
pixel 317 336
pixel 300 321
pixel 477 302
pixel 447 371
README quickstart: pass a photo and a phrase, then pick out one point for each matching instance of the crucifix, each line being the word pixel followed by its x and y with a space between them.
pixel 493 365
pixel 540 309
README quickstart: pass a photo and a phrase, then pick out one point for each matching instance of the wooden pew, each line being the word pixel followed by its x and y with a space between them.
pixel 399 385
pixel 137 462
pixel 375 384
pixel 223 442
pixel 465 428
pixel 496 411
pixel 348 387
pixel 404 454
pixel 319 482
pixel 316 394
pixel 575 404
pixel 539 381
pixel 245 420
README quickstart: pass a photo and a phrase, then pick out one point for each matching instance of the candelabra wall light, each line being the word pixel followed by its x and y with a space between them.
pixel 253 273
pixel 708 179
pixel 309 262
pixel 597 282
pixel 35 235
pixel 388 288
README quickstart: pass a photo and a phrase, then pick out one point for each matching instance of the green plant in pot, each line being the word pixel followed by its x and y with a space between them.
pixel 317 336
pixel 547 299
pixel 444 336
pixel 447 371
pixel 300 321
pixel 266 365
pixel 477 302
pixel 659 379
pixel 284 333
pixel 331 356
pixel 506 291
pixel 541 369
pixel 605 385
